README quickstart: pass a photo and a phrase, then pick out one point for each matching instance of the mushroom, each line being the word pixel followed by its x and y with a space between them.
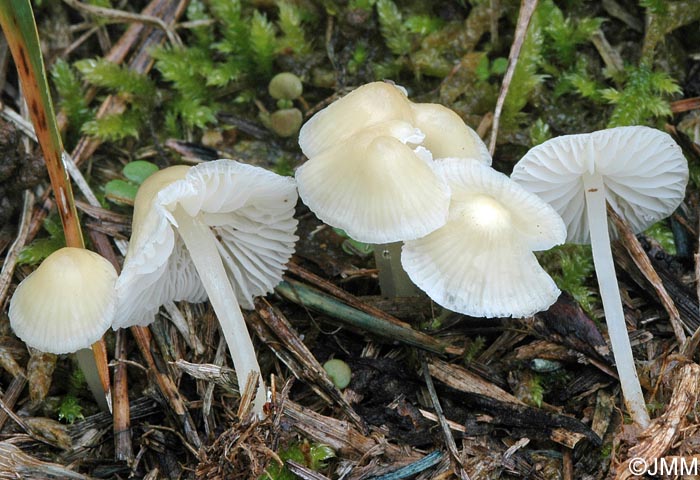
pixel 480 262
pixel 235 230
pixel 364 107
pixel 642 174
pixel 65 306
pixel 67 303
pixel 367 175
pixel 375 187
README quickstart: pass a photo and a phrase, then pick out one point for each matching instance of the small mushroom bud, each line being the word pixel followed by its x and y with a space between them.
pixel 287 122
pixel 285 86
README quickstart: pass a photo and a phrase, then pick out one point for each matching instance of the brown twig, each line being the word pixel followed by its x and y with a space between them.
pixel 456 461
pixel 664 430
pixel 527 8
pixel 311 370
pixel 8 266
pixel 641 259
pixel 123 450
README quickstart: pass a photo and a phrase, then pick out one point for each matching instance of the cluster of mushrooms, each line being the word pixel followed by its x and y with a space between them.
pixel 383 169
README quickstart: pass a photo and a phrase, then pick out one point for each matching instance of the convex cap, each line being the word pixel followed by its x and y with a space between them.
pixel 249 209
pixel 370 163
pixel 481 262
pixel 643 170
pixel 67 303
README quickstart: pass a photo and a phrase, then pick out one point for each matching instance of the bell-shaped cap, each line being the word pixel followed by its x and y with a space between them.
pixel 375 187
pixel 481 262
pixel 643 170
pixel 249 209
pixel 364 107
pixel 67 303
pixel 446 134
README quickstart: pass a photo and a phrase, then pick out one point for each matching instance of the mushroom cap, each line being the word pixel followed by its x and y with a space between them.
pixel 249 209
pixel 643 170
pixel 157 267
pixel 67 303
pixel 375 187
pixel 364 107
pixel 446 134
pixel 480 262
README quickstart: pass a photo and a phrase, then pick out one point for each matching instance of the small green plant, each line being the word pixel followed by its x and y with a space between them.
pixel 70 410
pixel 645 96
pixel 571 267
pixel 473 348
pixel 123 192
pixel 70 91
pixel 39 249
pixel 663 234
pixel 353 247
pixel 488 68
pixel 313 456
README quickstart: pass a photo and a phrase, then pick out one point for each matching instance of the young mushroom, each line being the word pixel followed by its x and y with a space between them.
pixel 67 303
pixel 235 233
pixel 65 306
pixel 642 174
pixel 480 262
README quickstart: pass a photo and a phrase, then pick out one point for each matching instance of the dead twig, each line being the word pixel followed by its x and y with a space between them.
pixel 456 461
pixel 120 16
pixel 527 8
pixel 641 259
pixel 658 438
pixel 8 266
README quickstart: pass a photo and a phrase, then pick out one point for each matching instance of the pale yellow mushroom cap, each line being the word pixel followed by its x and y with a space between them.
pixel 364 107
pixel 446 134
pixel 375 187
pixel 67 303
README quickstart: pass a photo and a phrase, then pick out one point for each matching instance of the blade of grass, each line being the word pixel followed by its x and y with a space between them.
pixel 313 299
pixel 17 22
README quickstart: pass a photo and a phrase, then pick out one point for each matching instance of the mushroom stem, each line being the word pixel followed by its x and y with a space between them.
pixel 201 244
pixel 90 369
pixel 393 279
pixel 610 295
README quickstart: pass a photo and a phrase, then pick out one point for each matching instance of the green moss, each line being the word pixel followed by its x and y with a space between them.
pixel 571 267
pixel 313 456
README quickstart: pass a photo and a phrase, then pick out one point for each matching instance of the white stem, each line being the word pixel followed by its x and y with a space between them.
pixel 86 362
pixel 610 295
pixel 201 244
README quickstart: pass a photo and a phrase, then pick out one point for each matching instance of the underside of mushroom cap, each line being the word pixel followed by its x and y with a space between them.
pixel 481 262
pixel 67 303
pixel 157 267
pixel 446 134
pixel 368 105
pixel 376 188
pixel 251 212
pixel 643 170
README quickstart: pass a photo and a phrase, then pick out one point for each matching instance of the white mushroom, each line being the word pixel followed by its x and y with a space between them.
pixel 481 262
pixel 235 230
pixel 67 303
pixel 642 174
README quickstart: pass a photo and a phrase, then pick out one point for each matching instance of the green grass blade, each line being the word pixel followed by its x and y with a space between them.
pixel 17 22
